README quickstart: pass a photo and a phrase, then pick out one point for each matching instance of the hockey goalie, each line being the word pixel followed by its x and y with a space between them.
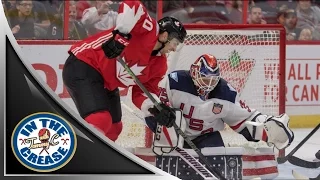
pixel 207 102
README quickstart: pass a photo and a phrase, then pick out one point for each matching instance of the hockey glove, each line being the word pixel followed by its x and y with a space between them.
pixel 115 45
pixel 165 117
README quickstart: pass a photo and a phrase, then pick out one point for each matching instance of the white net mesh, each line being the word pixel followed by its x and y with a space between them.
pixel 249 61
pixel 135 132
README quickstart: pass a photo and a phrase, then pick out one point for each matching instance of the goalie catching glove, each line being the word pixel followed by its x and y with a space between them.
pixel 271 129
pixel 115 45
pixel 165 117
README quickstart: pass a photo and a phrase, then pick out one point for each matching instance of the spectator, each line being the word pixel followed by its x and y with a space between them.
pixel 99 17
pixel 309 17
pixel 55 31
pixel 281 17
pixel 305 35
pixel 81 6
pixel 283 7
pixel 76 29
pixel 255 16
pixel 52 6
pixel 42 22
pixel 232 12
pixel 10 5
pixel 270 8
pixel 238 5
pixel 290 25
pixel 22 20
pixel 174 8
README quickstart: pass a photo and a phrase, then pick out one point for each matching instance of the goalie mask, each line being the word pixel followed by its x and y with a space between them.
pixel 205 73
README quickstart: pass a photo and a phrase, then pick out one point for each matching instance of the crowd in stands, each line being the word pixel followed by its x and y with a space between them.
pixel 44 19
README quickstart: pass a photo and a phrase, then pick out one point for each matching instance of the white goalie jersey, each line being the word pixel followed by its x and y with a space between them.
pixel 205 116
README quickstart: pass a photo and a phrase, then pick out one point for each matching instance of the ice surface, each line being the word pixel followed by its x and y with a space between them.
pixel 307 152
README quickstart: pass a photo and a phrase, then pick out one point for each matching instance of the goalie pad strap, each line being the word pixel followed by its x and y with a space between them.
pixel 167 139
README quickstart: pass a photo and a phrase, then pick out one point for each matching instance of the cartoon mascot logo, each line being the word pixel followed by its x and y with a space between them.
pixel 43 142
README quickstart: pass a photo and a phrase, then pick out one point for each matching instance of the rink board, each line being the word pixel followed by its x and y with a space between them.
pixel 303 77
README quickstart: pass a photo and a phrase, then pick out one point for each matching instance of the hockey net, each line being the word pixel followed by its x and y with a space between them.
pixel 252 60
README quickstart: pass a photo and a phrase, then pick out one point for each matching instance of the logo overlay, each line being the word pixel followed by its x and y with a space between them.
pixel 43 142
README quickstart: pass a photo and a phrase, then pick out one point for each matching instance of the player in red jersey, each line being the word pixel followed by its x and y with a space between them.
pixel 92 74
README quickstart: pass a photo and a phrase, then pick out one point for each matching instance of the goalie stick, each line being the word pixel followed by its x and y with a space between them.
pixel 157 104
pixel 303 163
pixel 282 160
pixel 299 176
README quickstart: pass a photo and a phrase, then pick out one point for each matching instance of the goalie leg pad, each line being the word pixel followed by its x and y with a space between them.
pixel 167 139
pixel 233 162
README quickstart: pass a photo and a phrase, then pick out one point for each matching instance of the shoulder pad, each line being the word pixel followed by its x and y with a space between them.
pixel 223 91
pixel 181 80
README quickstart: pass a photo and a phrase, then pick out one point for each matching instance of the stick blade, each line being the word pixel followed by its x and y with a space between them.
pixel 303 163
pixel 282 160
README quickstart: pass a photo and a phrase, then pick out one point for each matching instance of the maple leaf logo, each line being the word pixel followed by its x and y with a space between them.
pixel 126 21
pixel 124 77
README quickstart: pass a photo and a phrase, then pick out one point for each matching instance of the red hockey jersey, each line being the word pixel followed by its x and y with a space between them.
pixel 133 18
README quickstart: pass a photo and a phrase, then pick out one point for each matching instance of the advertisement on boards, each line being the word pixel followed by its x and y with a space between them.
pixel 302 78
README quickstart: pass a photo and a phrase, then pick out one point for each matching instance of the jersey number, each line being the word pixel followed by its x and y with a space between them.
pixel 195 124
pixel 163 96
pixel 147 24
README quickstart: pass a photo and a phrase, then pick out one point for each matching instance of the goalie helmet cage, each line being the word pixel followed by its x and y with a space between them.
pixel 252 60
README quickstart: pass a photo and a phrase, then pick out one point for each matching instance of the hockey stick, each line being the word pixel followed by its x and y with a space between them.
pixel 282 160
pixel 299 176
pixel 192 161
pixel 303 163
pixel 157 104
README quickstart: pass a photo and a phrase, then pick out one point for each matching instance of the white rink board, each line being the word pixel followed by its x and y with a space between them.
pixel 303 94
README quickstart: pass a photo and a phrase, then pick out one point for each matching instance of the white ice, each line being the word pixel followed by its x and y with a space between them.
pixel 307 152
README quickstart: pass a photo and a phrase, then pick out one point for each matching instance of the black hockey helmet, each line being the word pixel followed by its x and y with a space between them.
pixel 174 28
